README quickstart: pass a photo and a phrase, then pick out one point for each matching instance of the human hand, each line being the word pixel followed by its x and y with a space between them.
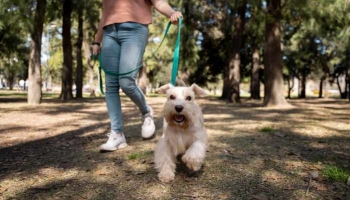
pixel 96 49
pixel 174 17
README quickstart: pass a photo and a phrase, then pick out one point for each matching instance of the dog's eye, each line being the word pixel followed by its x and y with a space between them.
pixel 188 98
pixel 172 97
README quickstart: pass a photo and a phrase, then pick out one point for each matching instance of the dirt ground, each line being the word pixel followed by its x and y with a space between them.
pixel 51 152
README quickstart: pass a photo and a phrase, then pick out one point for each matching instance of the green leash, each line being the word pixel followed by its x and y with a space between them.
pixel 175 59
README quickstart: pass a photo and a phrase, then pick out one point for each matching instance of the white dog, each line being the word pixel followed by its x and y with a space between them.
pixel 183 131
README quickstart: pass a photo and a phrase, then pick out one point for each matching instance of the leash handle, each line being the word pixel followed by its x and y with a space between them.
pixel 176 54
pixel 176 50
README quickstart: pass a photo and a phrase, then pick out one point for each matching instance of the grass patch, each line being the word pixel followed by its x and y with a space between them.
pixel 138 155
pixel 267 129
pixel 336 174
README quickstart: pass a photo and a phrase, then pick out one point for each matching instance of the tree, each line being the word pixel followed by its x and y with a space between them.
pixel 274 92
pixel 34 70
pixel 234 72
pixel 254 34
pixel 67 68
pixel 15 52
pixel 79 74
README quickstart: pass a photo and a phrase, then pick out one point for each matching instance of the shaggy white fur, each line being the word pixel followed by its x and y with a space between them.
pixel 183 131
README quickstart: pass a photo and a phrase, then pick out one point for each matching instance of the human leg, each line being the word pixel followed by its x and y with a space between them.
pixel 110 62
pixel 133 39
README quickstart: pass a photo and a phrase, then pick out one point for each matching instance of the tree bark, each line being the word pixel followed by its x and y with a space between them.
pixel 234 75
pixel 34 70
pixel 79 74
pixel 343 94
pixel 347 90
pixel 320 93
pixel 290 87
pixel 67 69
pixel 255 80
pixel 226 83
pixel 274 91
pixel 326 87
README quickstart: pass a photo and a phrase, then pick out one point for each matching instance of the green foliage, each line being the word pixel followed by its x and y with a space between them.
pixel 336 174
pixel 315 37
pixel 15 52
pixel 267 129
pixel 138 155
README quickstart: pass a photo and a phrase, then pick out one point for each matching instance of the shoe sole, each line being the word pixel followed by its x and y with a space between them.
pixel 150 137
pixel 121 146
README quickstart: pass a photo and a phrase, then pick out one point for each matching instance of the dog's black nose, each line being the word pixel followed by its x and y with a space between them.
pixel 179 108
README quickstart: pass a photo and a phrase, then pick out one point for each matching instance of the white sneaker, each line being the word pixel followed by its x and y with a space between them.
pixel 115 141
pixel 148 126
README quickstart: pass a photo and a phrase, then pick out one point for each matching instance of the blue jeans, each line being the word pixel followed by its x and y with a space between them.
pixel 123 46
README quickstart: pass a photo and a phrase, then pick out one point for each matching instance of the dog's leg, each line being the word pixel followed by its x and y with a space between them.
pixel 164 161
pixel 194 155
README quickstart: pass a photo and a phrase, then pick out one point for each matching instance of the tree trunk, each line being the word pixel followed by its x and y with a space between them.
pixel 326 87
pixel 235 59
pixel 339 87
pixel 79 74
pixel 34 70
pixel 226 83
pixel 274 91
pixel 290 87
pixel 347 90
pixel 320 93
pixel 255 80
pixel 67 69
pixel 343 94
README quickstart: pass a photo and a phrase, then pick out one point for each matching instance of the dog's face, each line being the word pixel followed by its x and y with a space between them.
pixel 180 109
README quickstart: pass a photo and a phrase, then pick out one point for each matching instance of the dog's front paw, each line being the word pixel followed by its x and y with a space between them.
pixel 192 163
pixel 166 176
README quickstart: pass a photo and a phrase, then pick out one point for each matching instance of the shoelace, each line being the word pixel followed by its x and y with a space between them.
pixel 111 137
pixel 147 120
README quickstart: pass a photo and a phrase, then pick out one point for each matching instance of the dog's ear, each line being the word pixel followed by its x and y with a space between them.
pixel 164 88
pixel 198 91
